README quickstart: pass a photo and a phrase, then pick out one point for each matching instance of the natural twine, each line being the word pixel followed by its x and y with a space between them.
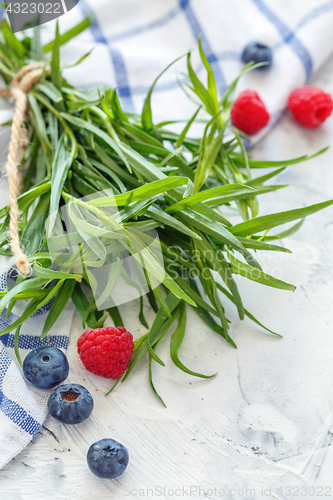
pixel 19 89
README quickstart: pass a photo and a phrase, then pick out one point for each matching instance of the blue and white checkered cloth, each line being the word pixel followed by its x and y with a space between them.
pixel 23 408
pixel 134 41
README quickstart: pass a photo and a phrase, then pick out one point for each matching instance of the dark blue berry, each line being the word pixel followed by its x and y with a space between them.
pixel 107 458
pixel 70 403
pixel 257 52
pixel 46 367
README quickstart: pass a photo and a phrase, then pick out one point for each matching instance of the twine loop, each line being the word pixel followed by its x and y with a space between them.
pixel 19 89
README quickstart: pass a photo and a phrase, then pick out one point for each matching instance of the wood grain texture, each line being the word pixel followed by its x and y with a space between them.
pixel 264 423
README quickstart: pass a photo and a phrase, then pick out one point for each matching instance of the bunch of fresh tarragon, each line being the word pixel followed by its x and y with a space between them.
pixel 129 186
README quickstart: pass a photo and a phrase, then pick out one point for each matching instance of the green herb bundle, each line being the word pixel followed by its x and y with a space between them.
pixel 83 143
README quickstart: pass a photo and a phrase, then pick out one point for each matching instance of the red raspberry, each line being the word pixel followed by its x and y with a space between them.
pixel 106 351
pixel 248 112
pixel 310 106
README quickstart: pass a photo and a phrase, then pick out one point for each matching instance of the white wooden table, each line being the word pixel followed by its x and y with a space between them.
pixel 263 427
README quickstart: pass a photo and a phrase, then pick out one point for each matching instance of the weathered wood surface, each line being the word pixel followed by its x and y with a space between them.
pixel 264 423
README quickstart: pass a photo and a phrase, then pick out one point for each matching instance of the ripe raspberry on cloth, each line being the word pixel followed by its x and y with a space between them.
pixel 310 106
pixel 248 112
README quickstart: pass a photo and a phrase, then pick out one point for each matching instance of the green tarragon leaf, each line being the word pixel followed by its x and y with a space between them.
pixel 254 274
pixel 176 341
pixel 267 222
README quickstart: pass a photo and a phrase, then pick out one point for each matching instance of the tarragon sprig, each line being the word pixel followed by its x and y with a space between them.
pixel 83 143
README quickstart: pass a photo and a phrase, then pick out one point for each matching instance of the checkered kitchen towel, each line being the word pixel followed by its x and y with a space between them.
pixel 134 40
pixel 22 407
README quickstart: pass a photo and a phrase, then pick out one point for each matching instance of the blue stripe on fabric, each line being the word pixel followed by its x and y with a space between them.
pixel 117 59
pixel 29 341
pixel 197 30
pixel 143 89
pixel 33 341
pixel 5 322
pixel 3 282
pixel 10 408
pixel 172 84
pixel 18 415
pixel 160 87
pixel 124 90
pixel 288 36
pixel 146 27
pixel 316 12
pixel 229 56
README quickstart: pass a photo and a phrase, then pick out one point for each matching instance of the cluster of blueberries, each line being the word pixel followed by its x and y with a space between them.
pixel 46 368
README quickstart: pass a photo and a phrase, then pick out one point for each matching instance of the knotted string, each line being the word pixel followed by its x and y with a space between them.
pixel 19 89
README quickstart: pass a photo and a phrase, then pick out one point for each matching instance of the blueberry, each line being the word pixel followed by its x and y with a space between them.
pixel 46 367
pixel 70 403
pixel 107 458
pixel 257 52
